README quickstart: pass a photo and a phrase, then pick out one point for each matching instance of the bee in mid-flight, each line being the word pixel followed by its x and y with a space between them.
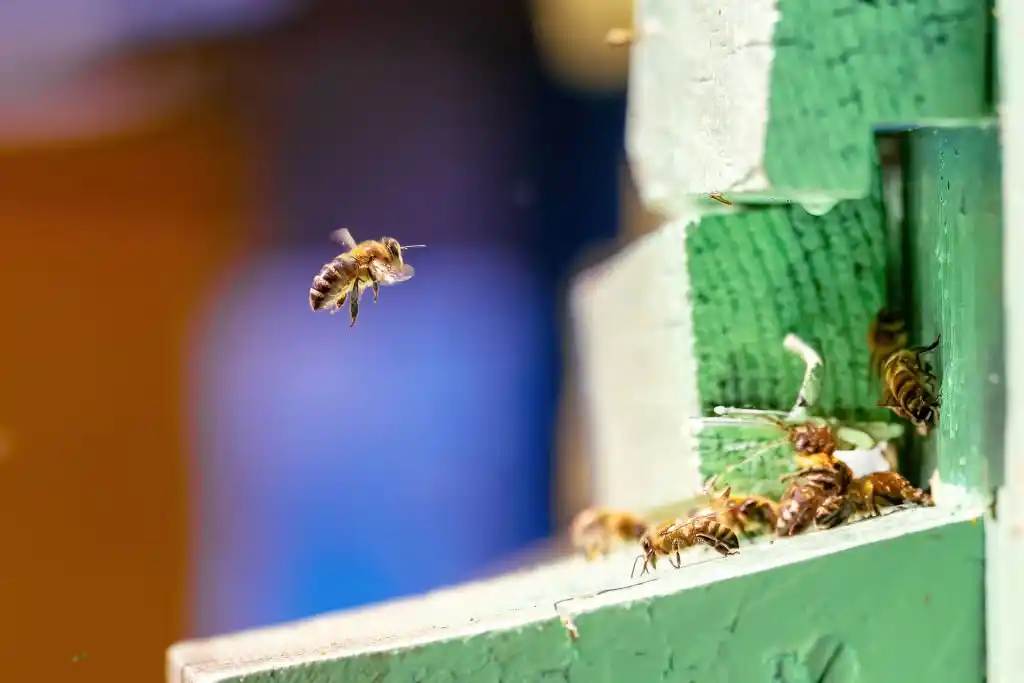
pixel 595 530
pixel 365 265
pixel 908 382
pixel 670 538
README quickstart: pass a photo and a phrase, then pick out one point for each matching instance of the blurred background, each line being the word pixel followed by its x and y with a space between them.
pixel 185 448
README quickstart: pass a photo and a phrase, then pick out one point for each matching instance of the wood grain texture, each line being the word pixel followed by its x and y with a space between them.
pixel 841 67
pixel 763 273
pixel 954 231
pixel 749 87
pixel 758 616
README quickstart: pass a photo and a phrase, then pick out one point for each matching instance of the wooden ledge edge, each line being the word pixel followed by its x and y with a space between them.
pixel 515 601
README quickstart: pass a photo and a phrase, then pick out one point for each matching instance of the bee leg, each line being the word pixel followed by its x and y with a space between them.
pixel 716 545
pixel 679 560
pixel 872 499
pixel 375 285
pixel 353 304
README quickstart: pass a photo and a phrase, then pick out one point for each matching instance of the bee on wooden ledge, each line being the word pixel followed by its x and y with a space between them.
pixel 670 538
pixel 365 265
pixel 747 514
pixel 908 383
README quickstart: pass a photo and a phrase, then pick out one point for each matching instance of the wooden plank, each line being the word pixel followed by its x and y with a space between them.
pixel 776 98
pixel 632 336
pixel 1005 542
pixel 954 229
pixel 761 615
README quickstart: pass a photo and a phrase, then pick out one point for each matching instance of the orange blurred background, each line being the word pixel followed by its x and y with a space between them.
pixel 125 193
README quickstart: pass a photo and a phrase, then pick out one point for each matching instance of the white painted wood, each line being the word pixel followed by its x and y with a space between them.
pixel 699 88
pixel 633 342
pixel 512 601
pixel 1005 535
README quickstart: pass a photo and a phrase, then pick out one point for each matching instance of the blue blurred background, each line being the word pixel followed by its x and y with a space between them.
pixel 234 459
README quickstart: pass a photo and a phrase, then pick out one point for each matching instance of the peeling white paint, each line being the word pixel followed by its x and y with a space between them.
pixel 698 98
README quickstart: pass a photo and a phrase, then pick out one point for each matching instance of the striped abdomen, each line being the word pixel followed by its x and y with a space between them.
pixel 910 392
pixel 711 528
pixel 332 283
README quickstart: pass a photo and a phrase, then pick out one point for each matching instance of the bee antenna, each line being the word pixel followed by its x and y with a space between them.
pixel 633 573
pixel 413 246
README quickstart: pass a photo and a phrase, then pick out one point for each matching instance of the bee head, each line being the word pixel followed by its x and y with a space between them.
pixel 394 249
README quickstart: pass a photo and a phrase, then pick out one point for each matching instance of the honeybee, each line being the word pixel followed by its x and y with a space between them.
pixel 368 264
pixel 808 439
pixel 822 483
pixel 594 530
pixel 865 493
pixel 887 335
pixel 823 470
pixel 670 538
pixel 798 508
pixel 745 513
pixel 908 391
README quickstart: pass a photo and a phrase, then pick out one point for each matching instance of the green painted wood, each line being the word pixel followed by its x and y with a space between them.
pixel 760 274
pixel 955 242
pixel 869 614
pixel 842 67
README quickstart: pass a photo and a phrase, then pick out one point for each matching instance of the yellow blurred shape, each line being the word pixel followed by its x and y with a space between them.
pixel 572 37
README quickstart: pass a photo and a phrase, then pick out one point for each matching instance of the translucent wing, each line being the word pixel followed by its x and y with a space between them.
pixel 387 275
pixel 344 237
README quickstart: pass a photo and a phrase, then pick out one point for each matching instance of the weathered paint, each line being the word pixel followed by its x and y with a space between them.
pixel 842 67
pixel 954 252
pixel 776 99
pixel 867 614
pixel 758 275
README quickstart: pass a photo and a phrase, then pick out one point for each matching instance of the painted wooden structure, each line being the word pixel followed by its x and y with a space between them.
pixel 776 111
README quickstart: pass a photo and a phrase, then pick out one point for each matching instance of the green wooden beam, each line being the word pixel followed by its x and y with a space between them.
pixel 845 606
pixel 954 260
pixel 842 67
pixel 759 274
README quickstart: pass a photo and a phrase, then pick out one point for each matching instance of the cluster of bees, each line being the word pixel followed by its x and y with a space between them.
pixel 822 492
pixel 366 265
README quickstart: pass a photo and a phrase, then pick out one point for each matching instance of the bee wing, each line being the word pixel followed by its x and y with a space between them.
pixel 344 237
pixel 387 275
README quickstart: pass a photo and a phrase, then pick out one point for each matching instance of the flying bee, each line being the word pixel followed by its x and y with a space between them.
pixel 889 488
pixel 595 530
pixel 745 513
pixel 887 335
pixel 670 538
pixel 367 264
pixel 908 391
